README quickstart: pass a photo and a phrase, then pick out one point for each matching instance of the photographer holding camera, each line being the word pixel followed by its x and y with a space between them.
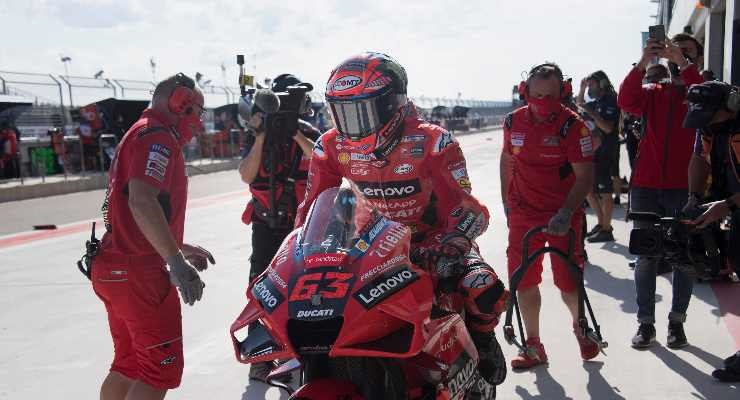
pixel 713 112
pixel 659 184
pixel 276 191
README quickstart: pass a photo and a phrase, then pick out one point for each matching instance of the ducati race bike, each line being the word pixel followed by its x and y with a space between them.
pixel 342 303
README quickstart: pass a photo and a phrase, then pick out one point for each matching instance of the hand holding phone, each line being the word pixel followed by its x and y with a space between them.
pixel 657 32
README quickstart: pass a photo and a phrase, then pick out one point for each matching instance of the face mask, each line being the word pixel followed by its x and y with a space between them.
pixel 544 106
pixel 188 127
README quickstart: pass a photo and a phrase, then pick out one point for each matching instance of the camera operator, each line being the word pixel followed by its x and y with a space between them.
pixel 603 111
pixel 713 112
pixel 292 151
pixel 659 184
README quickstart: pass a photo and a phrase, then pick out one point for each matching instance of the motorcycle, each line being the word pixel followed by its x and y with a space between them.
pixel 342 303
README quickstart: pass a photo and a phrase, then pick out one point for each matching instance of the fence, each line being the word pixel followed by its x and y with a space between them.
pixel 63 156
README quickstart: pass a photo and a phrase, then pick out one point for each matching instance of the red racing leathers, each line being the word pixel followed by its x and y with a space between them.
pixel 423 183
pixel 665 149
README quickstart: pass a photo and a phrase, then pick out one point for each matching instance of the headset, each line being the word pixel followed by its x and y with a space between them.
pixel 181 98
pixel 566 86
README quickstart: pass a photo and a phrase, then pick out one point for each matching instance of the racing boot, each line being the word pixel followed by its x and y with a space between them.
pixel 589 348
pixel 534 356
pixel 492 364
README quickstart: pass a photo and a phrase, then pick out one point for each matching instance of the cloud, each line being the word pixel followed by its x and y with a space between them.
pixel 477 47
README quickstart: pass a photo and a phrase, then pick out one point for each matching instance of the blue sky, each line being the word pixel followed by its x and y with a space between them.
pixel 476 48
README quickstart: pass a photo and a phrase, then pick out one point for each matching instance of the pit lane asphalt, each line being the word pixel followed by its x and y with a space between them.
pixel 54 339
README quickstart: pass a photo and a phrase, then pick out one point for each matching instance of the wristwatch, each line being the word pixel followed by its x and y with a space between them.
pixel 731 205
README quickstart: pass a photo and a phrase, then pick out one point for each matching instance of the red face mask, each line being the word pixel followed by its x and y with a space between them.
pixel 189 126
pixel 544 106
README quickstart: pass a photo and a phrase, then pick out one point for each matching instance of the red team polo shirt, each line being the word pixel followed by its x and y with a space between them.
pixel 542 155
pixel 150 152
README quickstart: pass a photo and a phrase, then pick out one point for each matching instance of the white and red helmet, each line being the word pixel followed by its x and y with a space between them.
pixel 366 95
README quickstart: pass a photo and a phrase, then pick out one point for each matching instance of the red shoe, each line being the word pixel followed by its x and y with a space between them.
pixel 535 355
pixel 589 349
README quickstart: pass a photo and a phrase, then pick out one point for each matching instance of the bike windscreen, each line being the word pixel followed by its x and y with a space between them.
pixel 333 223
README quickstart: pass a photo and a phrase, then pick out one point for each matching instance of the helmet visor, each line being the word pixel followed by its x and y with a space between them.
pixel 357 119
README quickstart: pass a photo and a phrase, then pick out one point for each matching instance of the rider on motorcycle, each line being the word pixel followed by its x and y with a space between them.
pixel 414 173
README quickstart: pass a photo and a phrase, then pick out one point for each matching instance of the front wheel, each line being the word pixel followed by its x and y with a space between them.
pixel 375 378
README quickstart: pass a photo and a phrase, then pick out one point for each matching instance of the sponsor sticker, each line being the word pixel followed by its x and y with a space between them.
pixel 587 147
pixel 464 183
pixel 390 190
pixel 517 142
pixel 309 314
pixel 378 83
pixel 417 151
pixel 376 229
pixel 362 245
pixel 551 141
pixel 268 296
pixel 346 82
pixel 157 161
pixel 444 140
pixel 459 173
pixel 359 171
pixel 413 138
pixel 584 131
pixel 387 264
pixel 384 286
pixel 403 169
pixel 361 157
pixel 324 260
pixel 516 150
pixel 392 238
pixel 343 158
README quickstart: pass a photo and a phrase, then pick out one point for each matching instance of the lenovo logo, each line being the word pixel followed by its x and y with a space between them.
pixel 267 295
pixel 390 190
pixel 460 380
pixel 384 286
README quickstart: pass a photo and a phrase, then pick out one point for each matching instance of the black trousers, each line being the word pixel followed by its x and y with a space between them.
pixel 265 243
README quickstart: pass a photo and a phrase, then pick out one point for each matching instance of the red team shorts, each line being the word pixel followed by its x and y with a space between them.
pixel 144 317
pixel 519 224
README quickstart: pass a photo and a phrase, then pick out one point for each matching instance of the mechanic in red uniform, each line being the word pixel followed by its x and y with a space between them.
pixel 546 172
pixel 414 172
pixel 144 214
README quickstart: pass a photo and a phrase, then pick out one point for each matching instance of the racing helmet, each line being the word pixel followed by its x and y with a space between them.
pixel 366 95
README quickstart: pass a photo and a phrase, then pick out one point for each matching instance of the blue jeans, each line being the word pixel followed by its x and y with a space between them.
pixel 666 203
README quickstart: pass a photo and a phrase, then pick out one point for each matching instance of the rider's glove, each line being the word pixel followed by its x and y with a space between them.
pixel 185 278
pixel 560 223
